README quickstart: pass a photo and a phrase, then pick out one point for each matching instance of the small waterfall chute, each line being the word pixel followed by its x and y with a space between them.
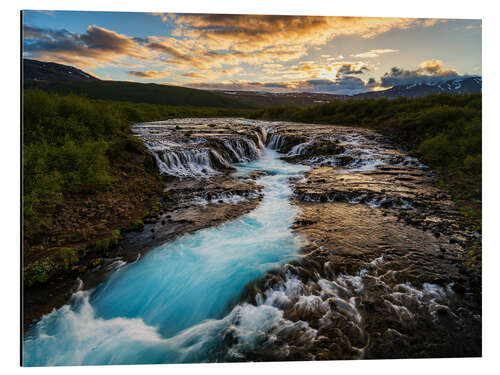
pixel 276 141
pixel 185 163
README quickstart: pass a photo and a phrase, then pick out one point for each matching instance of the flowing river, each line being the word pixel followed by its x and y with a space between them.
pixel 353 252
pixel 179 303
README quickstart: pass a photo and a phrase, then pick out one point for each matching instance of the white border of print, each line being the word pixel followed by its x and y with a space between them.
pixel 9 272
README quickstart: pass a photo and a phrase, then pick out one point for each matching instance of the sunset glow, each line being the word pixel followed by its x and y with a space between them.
pixel 343 55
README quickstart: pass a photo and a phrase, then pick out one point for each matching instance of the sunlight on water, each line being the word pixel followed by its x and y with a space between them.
pixel 178 301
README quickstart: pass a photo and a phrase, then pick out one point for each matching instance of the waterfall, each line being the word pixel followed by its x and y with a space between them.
pixel 185 163
pixel 206 161
pixel 276 141
pixel 243 149
pixel 260 139
pixel 263 135
pixel 300 149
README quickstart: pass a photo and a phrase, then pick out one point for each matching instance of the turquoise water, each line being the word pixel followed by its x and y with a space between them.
pixel 179 302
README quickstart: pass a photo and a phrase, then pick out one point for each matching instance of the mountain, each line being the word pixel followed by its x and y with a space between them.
pixel 64 79
pixel 459 86
pixel 275 99
pixel 48 71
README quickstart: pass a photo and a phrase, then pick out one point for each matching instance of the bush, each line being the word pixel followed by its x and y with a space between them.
pixel 72 143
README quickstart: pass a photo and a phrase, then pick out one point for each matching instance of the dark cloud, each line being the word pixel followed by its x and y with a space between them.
pixel 96 46
pixel 345 85
pixel 148 74
pixel 397 76
pixel 32 32
pixel 274 84
pixel 349 68
pixel 98 38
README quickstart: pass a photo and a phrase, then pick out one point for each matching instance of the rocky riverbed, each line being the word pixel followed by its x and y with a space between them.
pixel 382 273
pixel 195 159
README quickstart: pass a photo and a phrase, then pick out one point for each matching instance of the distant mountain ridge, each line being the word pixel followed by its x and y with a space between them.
pixel 457 86
pixel 65 79
pixel 49 71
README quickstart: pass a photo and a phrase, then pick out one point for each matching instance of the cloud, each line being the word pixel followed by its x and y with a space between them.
pixel 254 32
pixel 430 66
pixel 32 32
pixel 165 17
pixel 347 85
pixel 231 71
pixel 428 22
pixel 328 70
pixel 426 71
pixel 374 53
pixel 344 82
pixel 149 74
pixel 209 46
pixel 351 67
pixel 96 47
pixel 256 39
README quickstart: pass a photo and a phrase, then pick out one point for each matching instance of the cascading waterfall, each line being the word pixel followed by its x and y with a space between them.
pixel 181 302
pixel 263 134
pixel 184 163
pixel 177 303
pixel 276 141
pixel 300 149
pixel 260 139
pixel 243 149
pixel 199 162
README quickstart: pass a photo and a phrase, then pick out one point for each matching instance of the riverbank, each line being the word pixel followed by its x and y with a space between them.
pixel 380 270
pixel 141 209
pixel 87 182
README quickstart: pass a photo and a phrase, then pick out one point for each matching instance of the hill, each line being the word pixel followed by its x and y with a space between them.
pixel 276 99
pixel 459 86
pixel 48 71
pixel 64 79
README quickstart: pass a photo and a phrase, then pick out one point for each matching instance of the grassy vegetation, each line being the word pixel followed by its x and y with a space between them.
pixel 73 143
pixel 137 92
pixel 70 142
pixel 444 131
pixel 76 148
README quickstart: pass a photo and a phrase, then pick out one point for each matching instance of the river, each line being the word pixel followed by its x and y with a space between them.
pixel 178 303
pixel 353 252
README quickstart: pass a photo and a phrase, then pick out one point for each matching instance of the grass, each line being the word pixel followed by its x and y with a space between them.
pixel 150 93
pixel 72 143
pixel 78 146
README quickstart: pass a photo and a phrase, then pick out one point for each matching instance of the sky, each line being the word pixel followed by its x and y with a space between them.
pixel 339 55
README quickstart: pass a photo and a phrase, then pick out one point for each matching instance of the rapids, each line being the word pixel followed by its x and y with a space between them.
pixel 178 303
pixel 352 253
